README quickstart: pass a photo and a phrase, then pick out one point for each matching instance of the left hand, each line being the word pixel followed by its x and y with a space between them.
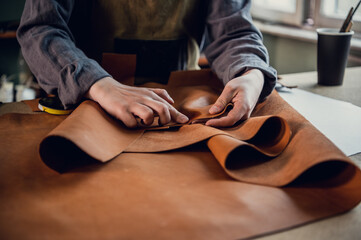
pixel 243 92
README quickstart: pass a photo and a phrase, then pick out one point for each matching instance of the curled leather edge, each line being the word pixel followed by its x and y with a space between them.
pixel 233 154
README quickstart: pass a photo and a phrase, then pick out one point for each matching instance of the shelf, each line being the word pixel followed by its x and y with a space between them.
pixel 10 34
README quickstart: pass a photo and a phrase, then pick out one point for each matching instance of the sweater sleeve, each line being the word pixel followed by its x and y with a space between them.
pixel 49 49
pixel 236 45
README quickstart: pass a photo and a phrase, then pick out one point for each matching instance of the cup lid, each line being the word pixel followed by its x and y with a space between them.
pixel 333 31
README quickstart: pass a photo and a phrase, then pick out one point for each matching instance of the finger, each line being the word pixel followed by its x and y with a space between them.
pixel 174 114
pixel 163 94
pixel 166 111
pixel 161 109
pixel 221 122
pixel 225 97
pixel 126 117
pixel 143 112
pixel 236 114
pixel 178 116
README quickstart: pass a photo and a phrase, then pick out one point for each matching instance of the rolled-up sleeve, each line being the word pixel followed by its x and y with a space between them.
pixel 236 45
pixel 49 49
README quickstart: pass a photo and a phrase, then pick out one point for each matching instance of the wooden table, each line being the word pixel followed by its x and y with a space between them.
pixel 345 226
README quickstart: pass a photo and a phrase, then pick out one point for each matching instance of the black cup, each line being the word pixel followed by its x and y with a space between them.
pixel 332 51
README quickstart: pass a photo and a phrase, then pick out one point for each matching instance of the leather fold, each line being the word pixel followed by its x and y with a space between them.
pixel 93 134
pixel 86 135
pixel 273 147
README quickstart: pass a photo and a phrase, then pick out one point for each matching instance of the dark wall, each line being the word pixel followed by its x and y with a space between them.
pixel 10 10
pixel 10 13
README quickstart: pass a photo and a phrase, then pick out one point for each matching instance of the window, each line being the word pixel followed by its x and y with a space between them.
pixel 288 6
pixel 339 9
pixel 332 13
pixel 318 13
pixel 283 11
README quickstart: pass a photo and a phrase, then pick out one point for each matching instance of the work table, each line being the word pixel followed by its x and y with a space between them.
pixel 345 226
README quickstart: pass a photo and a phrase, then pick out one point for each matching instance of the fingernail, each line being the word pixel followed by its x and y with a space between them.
pixel 171 99
pixel 183 118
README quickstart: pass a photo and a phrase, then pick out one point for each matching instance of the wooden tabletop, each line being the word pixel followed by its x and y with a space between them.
pixel 345 226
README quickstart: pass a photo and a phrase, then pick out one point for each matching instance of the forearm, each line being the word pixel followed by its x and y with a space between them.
pixel 236 45
pixel 48 47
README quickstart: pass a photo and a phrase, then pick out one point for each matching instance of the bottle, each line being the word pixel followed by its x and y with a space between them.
pixel 23 89
pixel 6 89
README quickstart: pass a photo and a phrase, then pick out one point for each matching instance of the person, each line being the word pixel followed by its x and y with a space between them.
pixel 62 42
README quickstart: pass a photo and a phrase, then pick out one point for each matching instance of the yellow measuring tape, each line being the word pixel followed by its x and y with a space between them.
pixel 53 106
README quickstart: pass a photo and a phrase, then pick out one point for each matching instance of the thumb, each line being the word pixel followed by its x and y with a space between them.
pixel 225 97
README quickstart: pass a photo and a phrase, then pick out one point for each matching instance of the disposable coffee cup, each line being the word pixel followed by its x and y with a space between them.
pixel 332 51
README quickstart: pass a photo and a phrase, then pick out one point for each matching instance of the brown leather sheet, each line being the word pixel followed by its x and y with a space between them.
pixel 269 173
pixel 33 104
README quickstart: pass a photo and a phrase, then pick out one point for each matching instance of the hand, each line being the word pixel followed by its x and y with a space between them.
pixel 126 102
pixel 243 92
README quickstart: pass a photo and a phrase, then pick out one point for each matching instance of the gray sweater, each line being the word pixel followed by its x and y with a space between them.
pixel 62 40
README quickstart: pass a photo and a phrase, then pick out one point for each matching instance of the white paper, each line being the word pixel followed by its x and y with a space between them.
pixel 339 121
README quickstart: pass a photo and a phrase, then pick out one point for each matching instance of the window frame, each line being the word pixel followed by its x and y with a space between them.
pixel 308 14
pixel 322 20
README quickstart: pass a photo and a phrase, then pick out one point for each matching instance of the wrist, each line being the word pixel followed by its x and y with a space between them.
pixel 96 90
pixel 261 82
pixel 256 72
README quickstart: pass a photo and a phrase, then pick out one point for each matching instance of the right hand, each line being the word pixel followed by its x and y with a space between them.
pixel 126 102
